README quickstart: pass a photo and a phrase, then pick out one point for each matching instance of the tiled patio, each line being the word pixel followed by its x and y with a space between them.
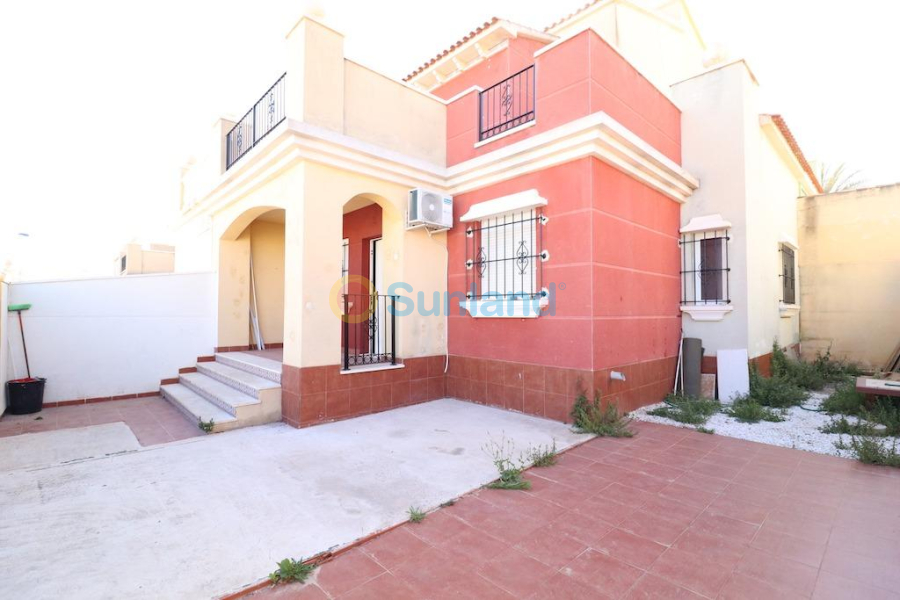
pixel 152 420
pixel 671 513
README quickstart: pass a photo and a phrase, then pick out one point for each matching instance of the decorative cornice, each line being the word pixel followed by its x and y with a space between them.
pixel 597 135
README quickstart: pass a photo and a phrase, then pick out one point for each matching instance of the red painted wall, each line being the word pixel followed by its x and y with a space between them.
pixel 581 76
pixel 359 228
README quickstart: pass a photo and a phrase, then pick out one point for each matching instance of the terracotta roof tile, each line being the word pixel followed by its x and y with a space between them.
pixel 465 39
pixel 795 148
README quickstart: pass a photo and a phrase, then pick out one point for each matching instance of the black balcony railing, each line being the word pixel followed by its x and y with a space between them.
pixel 507 104
pixel 265 115
pixel 368 330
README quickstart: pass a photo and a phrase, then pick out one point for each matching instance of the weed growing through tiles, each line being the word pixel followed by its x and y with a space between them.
pixel 542 456
pixel 589 417
pixel 707 430
pixel 449 502
pixel 206 426
pixel 686 409
pixel 416 515
pixel 290 570
pixel 508 466
pixel 748 410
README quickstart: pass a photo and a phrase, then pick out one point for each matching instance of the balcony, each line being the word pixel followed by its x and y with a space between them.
pixel 506 105
pixel 265 115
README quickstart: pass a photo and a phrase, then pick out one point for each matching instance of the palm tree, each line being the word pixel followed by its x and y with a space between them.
pixel 838 178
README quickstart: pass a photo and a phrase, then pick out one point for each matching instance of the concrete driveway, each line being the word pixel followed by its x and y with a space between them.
pixel 206 516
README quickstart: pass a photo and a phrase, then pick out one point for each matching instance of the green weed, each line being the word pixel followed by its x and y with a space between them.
pixel 748 410
pixel 686 409
pixel 291 570
pixel 589 417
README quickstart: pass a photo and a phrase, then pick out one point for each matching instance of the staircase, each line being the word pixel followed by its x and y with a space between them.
pixel 235 390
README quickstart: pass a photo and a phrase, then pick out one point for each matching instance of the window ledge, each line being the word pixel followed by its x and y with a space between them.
pixel 370 368
pixel 788 310
pixel 504 309
pixel 506 133
pixel 707 312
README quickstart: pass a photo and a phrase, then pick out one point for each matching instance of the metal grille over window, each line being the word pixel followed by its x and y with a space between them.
pixel 788 275
pixel 704 267
pixel 507 104
pixel 368 330
pixel 504 256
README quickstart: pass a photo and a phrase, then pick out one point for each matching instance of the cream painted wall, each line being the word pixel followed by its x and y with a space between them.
pixel 850 291
pixel 234 292
pixel 749 177
pixel 313 246
pixel 662 47
pixel 267 247
pixel 713 128
pixel 387 113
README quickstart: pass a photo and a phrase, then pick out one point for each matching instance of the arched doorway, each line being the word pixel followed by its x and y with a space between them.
pixel 251 282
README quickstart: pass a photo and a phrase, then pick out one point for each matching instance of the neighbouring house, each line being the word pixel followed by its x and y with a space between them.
pixel 142 259
pixel 850 291
pixel 602 177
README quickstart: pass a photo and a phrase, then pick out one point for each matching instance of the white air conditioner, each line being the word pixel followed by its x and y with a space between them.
pixel 429 209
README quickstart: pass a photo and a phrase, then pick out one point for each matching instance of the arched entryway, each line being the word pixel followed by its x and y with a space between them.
pixel 251 281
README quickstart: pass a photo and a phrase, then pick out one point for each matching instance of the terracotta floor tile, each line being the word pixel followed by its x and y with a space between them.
pixel 743 587
pixel 382 587
pixel 347 572
pixel 686 495
pixel 432 574
pixel 692 571
pixel 725 526
pixel 631 548
pixel 560 494
pixel 395 547
pixel 789 547
pixel 551 546
pixel 625 494
pixel 714 548
pixel 516 572
pixel 654 526
pixel 834 587
pixel 584 528
pixel 438 527
pixel 564 587
pixel 778 572
pixel 473 547
pixel 573 461
pixel 601 508
pixel 875 547
pixel 700 481
pixel 862 569
pixel 291 591
pixel 603 573
pixel 735 508
pixel 651 587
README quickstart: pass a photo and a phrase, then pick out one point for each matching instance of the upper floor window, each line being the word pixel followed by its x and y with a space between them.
pixel 704 261
pixel 788 275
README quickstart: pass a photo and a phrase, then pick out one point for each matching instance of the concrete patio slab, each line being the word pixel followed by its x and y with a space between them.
pixel 201 517
pixel 65 445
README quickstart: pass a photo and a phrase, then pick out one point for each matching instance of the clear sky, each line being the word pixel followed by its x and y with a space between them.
pixel 103 101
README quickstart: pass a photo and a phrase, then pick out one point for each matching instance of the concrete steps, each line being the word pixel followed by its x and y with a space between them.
pixel 237 390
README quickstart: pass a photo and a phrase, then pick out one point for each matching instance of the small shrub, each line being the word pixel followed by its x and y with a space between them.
pixel 589 417
pixel 702 429
pixel 776 392
pixel 416 515
pixel 873 451
pixel 814 375
pixel 886 413
pixel 686 409
pixel 748 410
pixel 206 426
pixel 835 370
pixel 510 469
pixel 291 570
pixel 845 400
pixel 542 456
pixel 845 427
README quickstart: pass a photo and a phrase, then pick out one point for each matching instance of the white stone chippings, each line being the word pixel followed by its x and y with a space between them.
pixel 800 429
pixel 202 517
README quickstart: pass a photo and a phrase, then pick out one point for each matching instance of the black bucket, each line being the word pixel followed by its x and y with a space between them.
pixel 25 396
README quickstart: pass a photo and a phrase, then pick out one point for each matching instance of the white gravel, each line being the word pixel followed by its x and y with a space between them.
pixel 799 430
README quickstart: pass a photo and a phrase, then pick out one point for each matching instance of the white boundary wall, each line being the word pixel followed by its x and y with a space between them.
pixel 112 336
pixel 4 343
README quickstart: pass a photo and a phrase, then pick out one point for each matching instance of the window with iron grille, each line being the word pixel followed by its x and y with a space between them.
pixel 704 267
pixel 504 256
pixel 788 275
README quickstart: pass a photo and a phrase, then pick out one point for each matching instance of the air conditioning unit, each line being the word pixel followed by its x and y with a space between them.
pixel 430 210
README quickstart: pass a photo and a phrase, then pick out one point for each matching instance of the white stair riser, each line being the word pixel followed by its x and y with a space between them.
pixel 208 396
pixel 217 427
pixel 253 369
pixel 230 382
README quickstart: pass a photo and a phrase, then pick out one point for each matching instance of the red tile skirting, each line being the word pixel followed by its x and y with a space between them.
pixel 551 391
pixel 100 399
pixel 245 348
pixel 314 395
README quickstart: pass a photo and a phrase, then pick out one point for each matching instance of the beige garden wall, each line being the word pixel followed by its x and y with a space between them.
pixel 850 290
